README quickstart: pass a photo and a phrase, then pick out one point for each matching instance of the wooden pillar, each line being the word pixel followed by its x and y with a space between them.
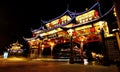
pixel 117 9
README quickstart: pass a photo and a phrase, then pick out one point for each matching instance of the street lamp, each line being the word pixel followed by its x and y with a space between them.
pixel 70 32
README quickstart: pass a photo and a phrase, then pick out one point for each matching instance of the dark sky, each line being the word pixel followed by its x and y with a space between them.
pixel 18 17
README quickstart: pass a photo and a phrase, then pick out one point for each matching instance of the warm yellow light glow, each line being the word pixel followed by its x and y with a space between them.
pixel 33 40
pixel 93 54
pixel 59 29
pixel 38 31
pixel 83 27
pixel 54 23
pixel 115 12
pixel 51 44
pixel 70 31
pixel 66 17
pixel 52 31
pixel 109 35
pixel 34 43
pixel 43 34
pixel 105 28
pixel 16 59
pixel 15 47
pixel 43 46
pixel 103 25
pixel 69 25
pixel 86 17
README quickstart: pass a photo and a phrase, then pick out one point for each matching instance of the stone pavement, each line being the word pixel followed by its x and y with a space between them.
pixel 51 65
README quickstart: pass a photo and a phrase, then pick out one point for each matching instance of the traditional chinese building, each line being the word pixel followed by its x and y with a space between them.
pixel 90 33
pixel 15 49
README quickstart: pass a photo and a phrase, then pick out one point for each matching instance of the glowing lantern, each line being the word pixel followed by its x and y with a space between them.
pixel 74 33
pixel 92 29
pixel 60 21
pixel 34 35
pixel 51 25
pixel 96 13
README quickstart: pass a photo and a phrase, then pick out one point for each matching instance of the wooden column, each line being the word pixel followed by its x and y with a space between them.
pixel 117 9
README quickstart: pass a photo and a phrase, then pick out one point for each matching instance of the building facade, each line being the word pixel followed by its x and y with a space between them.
pixel 90 34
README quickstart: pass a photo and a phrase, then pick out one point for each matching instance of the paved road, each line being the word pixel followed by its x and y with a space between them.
pixel 48 65
pixel 43 66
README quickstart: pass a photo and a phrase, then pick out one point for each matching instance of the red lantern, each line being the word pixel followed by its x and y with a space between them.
pixel 96 13
pixel 74 33
pixel 92 29
pixel 51 25
pixel 34 35
pixel 60 21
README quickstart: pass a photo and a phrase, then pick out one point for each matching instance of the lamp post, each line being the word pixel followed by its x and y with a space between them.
pixel 70 31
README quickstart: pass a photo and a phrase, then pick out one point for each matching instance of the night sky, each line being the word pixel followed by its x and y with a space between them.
pixel 18 17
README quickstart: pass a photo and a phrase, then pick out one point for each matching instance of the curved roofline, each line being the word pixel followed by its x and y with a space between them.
pixel 97 18
pixel 74 15
pixel 67 11
pixel 71 13
pixel 60 25
pixel 35 30
pixel 27 39
pixel 79 13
